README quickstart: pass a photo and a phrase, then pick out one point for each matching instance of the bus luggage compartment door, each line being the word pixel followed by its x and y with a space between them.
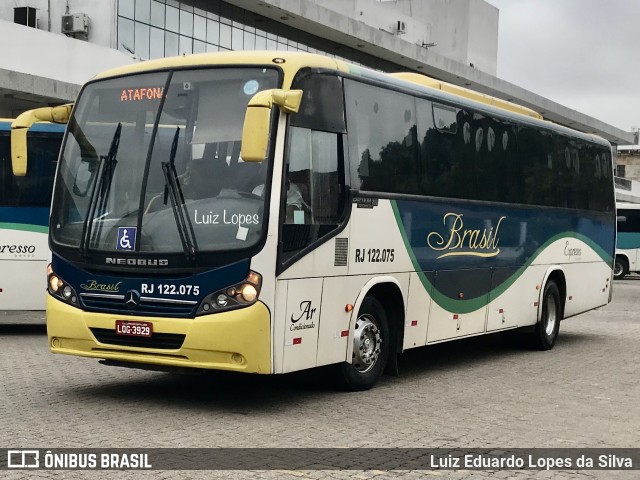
pixel 301 322
pixel 459 306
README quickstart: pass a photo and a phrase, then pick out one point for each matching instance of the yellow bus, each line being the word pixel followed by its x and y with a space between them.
pixel 269 212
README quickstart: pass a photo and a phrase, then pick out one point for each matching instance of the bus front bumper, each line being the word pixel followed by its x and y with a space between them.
pixel 238 340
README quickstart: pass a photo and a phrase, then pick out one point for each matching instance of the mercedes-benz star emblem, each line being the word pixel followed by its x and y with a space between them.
pixel 132 299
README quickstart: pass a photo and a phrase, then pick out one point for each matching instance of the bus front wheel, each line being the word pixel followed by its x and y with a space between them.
pixel 370 348
pixel 620 268
pixel 546 331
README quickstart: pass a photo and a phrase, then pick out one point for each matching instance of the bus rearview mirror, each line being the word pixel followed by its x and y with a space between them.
pixel 257 120
pixel 21 125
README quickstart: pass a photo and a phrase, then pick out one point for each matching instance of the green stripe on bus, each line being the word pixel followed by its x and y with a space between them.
pixel 26 227
pixel 471 305
pixel 628 240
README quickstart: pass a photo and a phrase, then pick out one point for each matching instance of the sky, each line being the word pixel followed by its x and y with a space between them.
pixel 584 54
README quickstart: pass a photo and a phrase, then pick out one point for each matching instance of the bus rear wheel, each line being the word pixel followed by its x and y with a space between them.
pixel 370 348
pixel 546 331
pixel 620 268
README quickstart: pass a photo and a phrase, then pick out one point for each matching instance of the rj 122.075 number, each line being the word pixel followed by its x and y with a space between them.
pixel 374 255
pixel 170 289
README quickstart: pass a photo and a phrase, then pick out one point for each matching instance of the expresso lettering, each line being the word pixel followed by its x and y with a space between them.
pixel 17 249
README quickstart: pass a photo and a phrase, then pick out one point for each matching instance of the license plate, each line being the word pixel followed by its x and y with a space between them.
pixel 134 329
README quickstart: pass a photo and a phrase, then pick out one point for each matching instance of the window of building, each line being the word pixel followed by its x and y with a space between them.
pixel 214 26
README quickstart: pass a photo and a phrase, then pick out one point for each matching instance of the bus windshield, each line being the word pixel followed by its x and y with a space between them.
pixel 151 163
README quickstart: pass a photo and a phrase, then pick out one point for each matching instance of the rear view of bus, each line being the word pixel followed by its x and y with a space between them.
pixel 24 217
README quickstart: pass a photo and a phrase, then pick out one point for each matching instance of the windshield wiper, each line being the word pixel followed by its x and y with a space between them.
pixel 173 191
pixel 100 190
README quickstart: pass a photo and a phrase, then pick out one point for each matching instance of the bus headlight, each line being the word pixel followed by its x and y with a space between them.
pixel 60 289
pixel 222 300
pixel 55 284
pixel 239 295
pixel 248 293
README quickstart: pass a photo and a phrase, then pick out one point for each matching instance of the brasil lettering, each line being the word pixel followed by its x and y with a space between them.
pixel 101 287
pixel 138 94
pixel 461 241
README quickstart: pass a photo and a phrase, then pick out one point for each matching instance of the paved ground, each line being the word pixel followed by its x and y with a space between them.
pixel 472 393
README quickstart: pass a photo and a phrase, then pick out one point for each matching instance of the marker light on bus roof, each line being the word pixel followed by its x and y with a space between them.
pixel 251 87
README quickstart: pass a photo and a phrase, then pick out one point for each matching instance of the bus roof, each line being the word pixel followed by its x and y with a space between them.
pixel 467 93
pixel 628 206
pixel 289 62
pixel 292 62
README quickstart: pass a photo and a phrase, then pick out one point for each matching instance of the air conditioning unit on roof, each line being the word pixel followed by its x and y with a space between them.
pixel 76 25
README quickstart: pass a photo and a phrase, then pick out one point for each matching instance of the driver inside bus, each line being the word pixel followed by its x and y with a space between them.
pixel 297 211
pixel 201 179
pixel 204 178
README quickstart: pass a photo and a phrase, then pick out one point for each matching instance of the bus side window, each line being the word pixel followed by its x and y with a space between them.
pixel 313 183
pixel 314 196
pixel 383 145
pixel 34 189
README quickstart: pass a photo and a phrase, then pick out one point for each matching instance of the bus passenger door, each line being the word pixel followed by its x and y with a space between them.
pixel 313 245
pixel 459 305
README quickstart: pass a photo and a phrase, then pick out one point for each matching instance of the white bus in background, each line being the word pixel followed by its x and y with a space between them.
pixel 24 218
pixel 628 240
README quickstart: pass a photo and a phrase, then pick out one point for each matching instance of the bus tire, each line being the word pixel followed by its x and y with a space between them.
pixel 546 330
pixel 620 268
pixel 371 343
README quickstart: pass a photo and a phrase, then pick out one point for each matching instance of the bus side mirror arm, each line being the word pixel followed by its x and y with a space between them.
pixel 21 125
pixel 257 120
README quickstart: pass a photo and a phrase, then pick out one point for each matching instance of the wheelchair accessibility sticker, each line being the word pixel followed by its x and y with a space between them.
pixel 126 238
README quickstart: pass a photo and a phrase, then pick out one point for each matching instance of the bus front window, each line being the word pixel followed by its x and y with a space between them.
pixel 151 158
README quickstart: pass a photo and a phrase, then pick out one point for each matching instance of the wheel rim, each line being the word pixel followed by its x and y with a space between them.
pixel 551 316
pixel 367 343
pixel 617 269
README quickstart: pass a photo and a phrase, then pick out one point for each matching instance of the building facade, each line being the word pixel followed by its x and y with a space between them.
pixel 628 163
pixel 49 48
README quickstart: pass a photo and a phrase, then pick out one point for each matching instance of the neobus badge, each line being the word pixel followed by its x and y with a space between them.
pixel 461 241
